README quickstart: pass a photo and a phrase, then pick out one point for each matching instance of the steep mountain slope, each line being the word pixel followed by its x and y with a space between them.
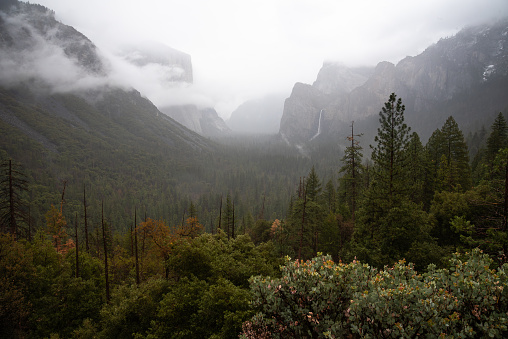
pixel 64 120
pixel 204 121
pixel 177 65
pixel 258 116
pixel 465 76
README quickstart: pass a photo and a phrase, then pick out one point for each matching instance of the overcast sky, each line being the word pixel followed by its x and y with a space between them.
pixel 243 49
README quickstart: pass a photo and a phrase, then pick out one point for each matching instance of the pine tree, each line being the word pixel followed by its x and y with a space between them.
pixel 390 155
pixel 228 217
pixel 314 209
pixel 497 140
pixel 457 158
pixel 192 211
pixel 387 226
pixel 313 186
pixel 352 172
pixel 434 149
pixel 330 196
pixel 416 172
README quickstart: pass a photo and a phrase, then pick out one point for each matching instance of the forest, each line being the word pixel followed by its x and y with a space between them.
pixel 407 240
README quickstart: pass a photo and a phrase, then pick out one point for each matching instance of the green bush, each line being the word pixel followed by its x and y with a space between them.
pixel 320 298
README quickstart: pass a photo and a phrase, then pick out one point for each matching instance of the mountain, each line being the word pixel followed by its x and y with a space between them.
pixel 176 65
pixel 204 121
pixel 64 120
pixel 465 76
pixel 258 116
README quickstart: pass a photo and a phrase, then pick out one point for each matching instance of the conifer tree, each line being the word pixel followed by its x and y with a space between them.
pixel 457 158
pixel 228 217
pixel 497 140
pixel 330 196
pixel 192 211
pixel 313 186
pixel 416 173
pixel 390 223
pixel 434 149
pixel 352 172
pixel 390 155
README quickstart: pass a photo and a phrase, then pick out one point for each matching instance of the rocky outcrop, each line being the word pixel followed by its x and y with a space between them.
pixel 204 121
pixel 446 75
pixel 258 116
pixel 336 78
pixel 177 64
pixel 24 27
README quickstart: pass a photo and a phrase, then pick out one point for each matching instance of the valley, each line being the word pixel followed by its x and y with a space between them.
pixel 320 214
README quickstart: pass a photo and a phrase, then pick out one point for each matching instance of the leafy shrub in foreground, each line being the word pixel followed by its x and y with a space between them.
pixel 320 298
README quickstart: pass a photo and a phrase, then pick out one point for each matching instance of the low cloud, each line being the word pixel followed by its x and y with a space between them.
pixel 31 57
pixel 38 58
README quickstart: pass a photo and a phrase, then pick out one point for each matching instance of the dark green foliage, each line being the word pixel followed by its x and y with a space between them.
pixel 389 155
pixel 45 297
pixel 454 171
pixel 390 220
pixel 352 170
pixel 498 138
pixel 211 257
pixel 132 309
pixel 434 149
pixel 416 175
pixel 304 224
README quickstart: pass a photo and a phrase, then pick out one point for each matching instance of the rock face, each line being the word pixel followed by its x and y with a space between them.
pixel 259 116
pixel 463 76
pixel 177 64
pixel 204 121
pixel 42 60
pixel 31 31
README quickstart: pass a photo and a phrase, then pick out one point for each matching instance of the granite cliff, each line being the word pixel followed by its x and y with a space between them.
pixel 465 75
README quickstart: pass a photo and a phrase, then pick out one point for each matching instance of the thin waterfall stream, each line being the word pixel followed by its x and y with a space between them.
pixel 319 126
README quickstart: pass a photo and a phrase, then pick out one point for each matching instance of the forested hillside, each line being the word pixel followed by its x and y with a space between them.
pixel 118 222
pixel 421 203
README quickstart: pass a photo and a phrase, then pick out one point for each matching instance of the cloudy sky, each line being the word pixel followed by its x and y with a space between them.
pixel 243 49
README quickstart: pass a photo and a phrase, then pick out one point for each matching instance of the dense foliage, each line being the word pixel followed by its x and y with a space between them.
pixel 123 243
pixel 321 299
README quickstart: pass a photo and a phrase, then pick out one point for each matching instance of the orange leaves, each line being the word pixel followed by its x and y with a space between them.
pixel 191 229
pixel 56 227
pixel 163 237
pixel 276 227
pixel 159 233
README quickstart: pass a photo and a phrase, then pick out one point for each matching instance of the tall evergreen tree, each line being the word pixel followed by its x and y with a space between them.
pixel 416 173
pixel 228 217
pixel 314 208
pixel 192 211
pixel 457 171
pixel 351 172
pixel 390 155
pixel 434 149
pixel 390 223
pixel 313 186
pixel 330 196
pixel 497 140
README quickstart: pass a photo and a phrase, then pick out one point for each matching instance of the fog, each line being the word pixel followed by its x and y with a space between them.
pixel 245 49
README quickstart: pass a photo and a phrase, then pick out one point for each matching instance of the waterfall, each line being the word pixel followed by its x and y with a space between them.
pixel 319 126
